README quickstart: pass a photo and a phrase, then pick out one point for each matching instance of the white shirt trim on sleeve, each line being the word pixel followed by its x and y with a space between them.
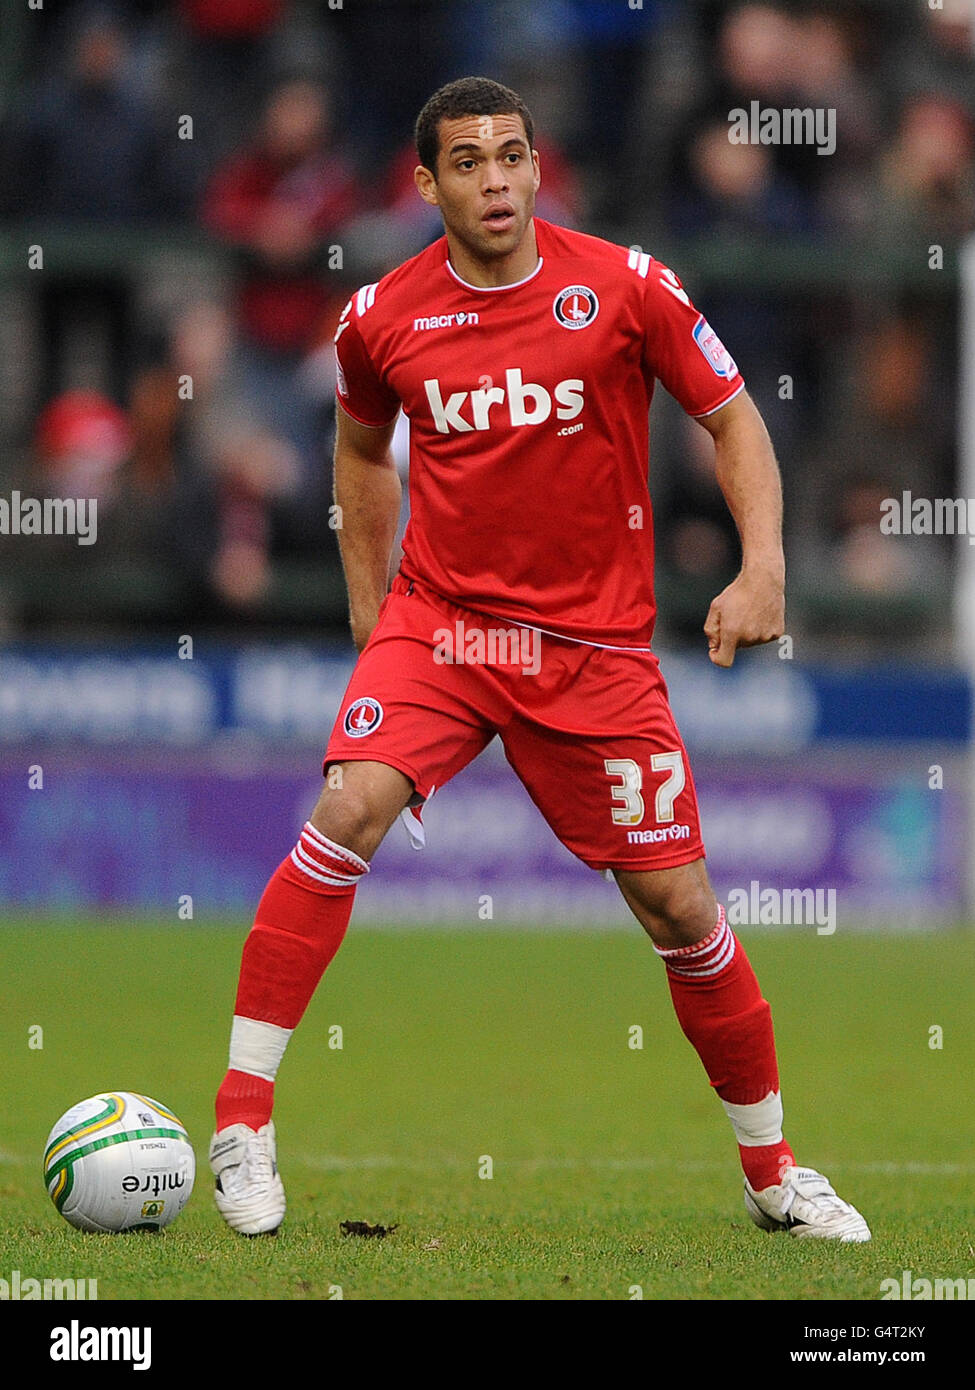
pixel 705 413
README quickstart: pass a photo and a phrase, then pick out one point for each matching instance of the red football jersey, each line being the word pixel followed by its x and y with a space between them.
pixel 528 408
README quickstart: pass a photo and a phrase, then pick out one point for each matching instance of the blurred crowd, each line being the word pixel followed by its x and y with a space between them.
pixel 193 395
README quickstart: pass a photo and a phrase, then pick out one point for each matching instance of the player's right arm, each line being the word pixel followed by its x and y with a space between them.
pixel 368 493
pixel 367 486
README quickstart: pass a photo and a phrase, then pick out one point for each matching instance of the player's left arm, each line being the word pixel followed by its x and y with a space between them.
pixel 751 610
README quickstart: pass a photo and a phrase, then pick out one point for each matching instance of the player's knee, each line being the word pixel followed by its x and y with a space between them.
pixel 349 816
pixel 358 804
pixel 675 909
pixel 687 918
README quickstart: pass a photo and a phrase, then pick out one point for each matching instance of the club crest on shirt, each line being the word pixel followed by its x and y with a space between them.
pixel 718 357
pixel 576 306
pixel 363 717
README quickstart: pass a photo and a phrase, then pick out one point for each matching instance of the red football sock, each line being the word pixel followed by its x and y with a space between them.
pixel 764 1164
pixel 244 1099
pixel 300 923
pixel 721 1010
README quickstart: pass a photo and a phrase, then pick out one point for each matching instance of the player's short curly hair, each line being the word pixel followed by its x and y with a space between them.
pixel 468 96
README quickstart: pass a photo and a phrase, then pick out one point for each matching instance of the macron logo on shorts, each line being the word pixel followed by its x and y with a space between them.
pixel 363 717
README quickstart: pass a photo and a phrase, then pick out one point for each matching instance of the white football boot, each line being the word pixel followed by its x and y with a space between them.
pixel 249 1193
pixel 805 1205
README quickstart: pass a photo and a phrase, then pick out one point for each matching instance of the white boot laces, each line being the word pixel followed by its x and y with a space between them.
pixel 257 1167
pixel 822 1196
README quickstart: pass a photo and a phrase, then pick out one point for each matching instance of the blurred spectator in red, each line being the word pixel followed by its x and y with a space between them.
pixel 83 449
pixel 231 19
pixel 278 202
pixel 281 202
pixel 82 442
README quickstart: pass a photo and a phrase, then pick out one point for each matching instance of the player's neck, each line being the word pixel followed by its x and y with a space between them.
pixel 498 270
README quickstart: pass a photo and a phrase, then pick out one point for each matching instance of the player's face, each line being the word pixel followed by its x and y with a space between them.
pixel 485 184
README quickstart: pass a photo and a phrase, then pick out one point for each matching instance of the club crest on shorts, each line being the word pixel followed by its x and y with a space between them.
pixel 576 306
pixel 363 717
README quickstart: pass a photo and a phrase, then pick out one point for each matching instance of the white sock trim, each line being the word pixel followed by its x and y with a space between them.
pixel 340 850
pixel 708 957
pixel 726 942
pixel 759 1124
pixel 302 861
pixel 257 1047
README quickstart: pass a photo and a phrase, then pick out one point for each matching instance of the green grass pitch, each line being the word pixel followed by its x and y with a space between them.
pixel 613 1167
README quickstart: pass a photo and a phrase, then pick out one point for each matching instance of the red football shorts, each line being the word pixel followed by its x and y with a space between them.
pixel 588 730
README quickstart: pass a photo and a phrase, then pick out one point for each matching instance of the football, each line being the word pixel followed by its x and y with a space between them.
pixel 119 1161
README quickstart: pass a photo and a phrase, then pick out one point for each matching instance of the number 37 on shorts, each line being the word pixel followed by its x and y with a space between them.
pixel 621 802
pixel 653 809
pixel 629 787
